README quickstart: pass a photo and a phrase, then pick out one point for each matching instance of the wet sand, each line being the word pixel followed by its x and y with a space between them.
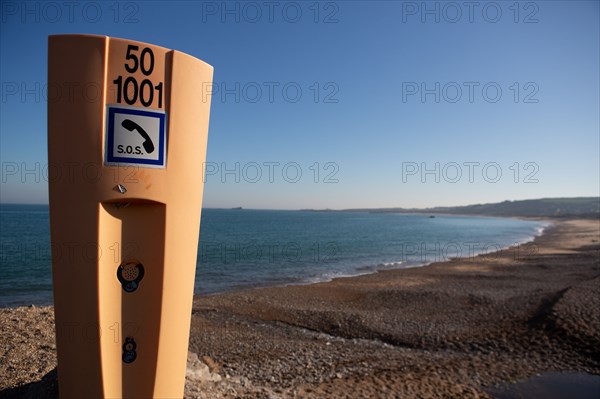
pixel 452 329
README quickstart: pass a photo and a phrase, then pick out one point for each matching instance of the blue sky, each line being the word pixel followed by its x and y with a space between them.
pixel 375 104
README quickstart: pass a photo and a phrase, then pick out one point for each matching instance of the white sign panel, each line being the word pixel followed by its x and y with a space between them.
pixel 135 136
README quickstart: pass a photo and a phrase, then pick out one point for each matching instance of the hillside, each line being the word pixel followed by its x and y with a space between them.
pixel 586 207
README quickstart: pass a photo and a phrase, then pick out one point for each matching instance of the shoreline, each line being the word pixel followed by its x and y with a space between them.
pixel 355 271
pixel 551 223
pixel 454 328
pixel 374 269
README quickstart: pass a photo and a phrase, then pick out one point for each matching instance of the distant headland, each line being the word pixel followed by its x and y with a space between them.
pixel 580 207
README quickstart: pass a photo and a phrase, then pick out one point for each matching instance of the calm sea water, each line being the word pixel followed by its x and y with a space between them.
pixel 241 249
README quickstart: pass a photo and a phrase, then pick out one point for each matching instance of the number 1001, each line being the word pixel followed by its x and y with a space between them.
pixel 129 90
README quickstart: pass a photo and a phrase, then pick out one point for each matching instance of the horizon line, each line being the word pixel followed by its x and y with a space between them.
pixel 359 208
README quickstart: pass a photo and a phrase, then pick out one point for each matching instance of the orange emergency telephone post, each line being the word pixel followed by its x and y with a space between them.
pixel 127 135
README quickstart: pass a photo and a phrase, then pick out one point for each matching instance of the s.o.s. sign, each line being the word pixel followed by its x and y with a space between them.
pixel 136 121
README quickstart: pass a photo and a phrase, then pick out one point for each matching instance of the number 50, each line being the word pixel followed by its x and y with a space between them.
pixel 142 62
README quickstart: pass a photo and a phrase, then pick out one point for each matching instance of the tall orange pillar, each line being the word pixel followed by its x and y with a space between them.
pixel 127 136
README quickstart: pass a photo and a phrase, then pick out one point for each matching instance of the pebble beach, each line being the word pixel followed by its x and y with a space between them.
pixel 469 327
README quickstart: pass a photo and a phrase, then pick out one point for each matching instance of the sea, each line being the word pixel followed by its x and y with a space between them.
pixel 242 249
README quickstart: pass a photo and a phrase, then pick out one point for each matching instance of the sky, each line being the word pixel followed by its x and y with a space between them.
pixel 346 104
